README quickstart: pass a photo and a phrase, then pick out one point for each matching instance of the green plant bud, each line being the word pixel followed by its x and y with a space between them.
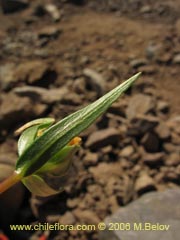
pixel 52 176
pixel 46 152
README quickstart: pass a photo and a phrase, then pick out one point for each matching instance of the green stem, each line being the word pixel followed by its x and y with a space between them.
pixel 9 182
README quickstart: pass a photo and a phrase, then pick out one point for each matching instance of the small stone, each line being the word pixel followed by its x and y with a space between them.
pixel 153 51
pixel 162 131
pixel 135 63
pixel 139 104
pixel 73 203
pixel 95 80
pixel 141 125
pixel 153 159
pixel 146 9
pixel 118 108
pixel 171 176
pixel 102 138
pixel 72 99
pixel 90 159
pixel 7 79
pixel 87 202
pixel 175 138
pixel 67 219
pixel 84 60
pixel 151 142
pixel 149 69
pixel 96 192
pixel 165 57
pixel 176 59
pixel 53 218
pixel 113 203
pixel 174 123
pixel 40 94
pixel 144 184
pixel 163 106
pixel 107 149
pixel 104 171
pixel 12 114
pixel 35 72
pixel 79 85
pixel 86 216
pixel 169 147
pixel 53 11
pixel 49 32
pixel 127 151
pixel 173 159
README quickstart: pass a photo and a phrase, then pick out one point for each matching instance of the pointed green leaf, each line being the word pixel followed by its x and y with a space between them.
pixel 56 137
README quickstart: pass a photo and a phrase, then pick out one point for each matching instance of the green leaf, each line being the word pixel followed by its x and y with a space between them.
pixel 37 185
pixel 63 159
pixel 57 136
pixel 26 139
pixel 30 131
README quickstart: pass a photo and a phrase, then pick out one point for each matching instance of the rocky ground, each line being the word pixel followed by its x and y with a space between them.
pixel 57 56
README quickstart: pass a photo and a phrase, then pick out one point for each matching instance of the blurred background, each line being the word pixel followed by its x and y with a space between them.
pixel 56 56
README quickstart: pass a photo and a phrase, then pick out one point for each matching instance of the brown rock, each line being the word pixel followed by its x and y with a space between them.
pixel 118 108
pixel 162 106
pixel 86 216
pixel 35 72
pixel 139 104
pixel 176 59
pixel 113 203
pixel 162 131
pixel 144 184
pixel 151 142
pixel 96 192
pixel 90 159
pixel 171 176
pixel 49 32
pixel 73 202
pixel 79 86
pixel 102 138
pixel 173 159
pixel 71 99
pixel 149 69
pixel 142 124
pixel 67 219
pixel 135 63
pixel 103 171
pixel 127 151
pixel 153 159
pixel 95 80
pixel 15 109
pixel 40 94
pixel 175 138
pixel 87 202
pixel 174 123
pixel 169 147
pixel 107 149
pixel 7 79
pixel 53 11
